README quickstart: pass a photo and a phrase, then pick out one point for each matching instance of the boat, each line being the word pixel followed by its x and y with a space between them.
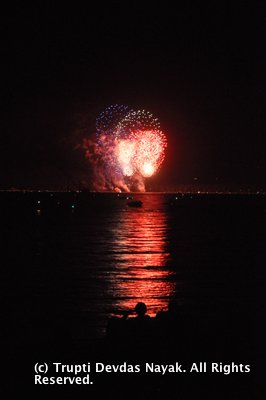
pixel 135 203
pixel 124 197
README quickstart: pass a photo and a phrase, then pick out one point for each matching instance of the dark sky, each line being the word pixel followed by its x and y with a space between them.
pixel 199 67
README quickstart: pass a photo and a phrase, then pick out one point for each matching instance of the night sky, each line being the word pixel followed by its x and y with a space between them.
pixel 200 68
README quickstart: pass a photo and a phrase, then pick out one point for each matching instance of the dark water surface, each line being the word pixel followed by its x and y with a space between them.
pixel 73 260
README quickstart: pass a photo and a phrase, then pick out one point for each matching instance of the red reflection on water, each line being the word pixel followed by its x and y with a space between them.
pixel 140 257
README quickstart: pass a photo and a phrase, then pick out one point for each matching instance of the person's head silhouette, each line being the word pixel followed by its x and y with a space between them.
pixel 140 309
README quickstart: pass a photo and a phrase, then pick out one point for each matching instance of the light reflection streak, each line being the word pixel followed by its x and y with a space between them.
pixel 140 261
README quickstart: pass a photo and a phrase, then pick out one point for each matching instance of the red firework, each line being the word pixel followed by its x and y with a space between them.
pixel 142 152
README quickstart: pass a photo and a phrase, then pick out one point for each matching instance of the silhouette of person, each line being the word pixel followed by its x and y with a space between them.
pixel 117 326
pixel 141 310
pixel 139 326
pixel 134 329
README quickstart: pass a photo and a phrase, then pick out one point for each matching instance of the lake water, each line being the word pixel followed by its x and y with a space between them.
pixel 73 260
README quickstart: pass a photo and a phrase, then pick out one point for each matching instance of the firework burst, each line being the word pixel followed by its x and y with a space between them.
pixel 108 119
pixel 130 147
pixel 136 120
pixel 149 151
